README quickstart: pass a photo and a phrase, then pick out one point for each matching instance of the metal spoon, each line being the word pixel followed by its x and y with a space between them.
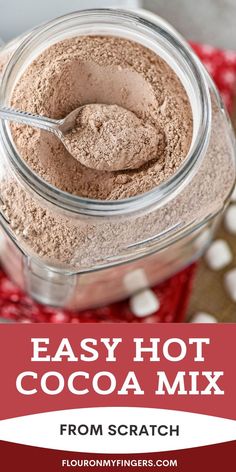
pixel 57 127
pixel 119 159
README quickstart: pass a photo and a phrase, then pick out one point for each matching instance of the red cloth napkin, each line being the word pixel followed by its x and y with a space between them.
pixel 174 293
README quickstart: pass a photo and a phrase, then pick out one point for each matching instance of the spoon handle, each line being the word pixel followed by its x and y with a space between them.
pixel 30 119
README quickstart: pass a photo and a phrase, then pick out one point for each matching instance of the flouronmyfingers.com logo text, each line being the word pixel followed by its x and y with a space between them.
pixel 118 463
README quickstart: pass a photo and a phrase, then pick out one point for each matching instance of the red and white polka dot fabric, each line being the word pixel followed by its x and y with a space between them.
pixel 173 294
pixel 221 65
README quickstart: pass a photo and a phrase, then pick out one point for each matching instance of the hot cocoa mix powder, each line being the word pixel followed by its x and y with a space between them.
pixel 106 70
pixel 112 71
pixel 109 137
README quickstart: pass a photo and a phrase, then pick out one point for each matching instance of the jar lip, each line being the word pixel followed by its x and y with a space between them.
pixel 156 196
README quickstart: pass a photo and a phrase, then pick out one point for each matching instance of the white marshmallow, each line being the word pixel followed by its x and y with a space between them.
pixel 230 283
pixel 203 239
pixel 135 281
pixel 218 255
pixel 203 317
pixel 144 303
pixel 233 196
pixel 230 219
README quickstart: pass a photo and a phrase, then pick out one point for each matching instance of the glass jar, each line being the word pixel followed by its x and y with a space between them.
pixel 104 251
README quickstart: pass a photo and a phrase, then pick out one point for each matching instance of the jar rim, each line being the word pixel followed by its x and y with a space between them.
pixel 159 194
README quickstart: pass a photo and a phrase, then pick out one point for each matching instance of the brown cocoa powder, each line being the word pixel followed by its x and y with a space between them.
pixel 110 138
pixel 61 239
pixel 108 70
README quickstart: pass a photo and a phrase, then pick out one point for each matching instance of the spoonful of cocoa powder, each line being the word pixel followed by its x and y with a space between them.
pixel 99 136
pixel 109 137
